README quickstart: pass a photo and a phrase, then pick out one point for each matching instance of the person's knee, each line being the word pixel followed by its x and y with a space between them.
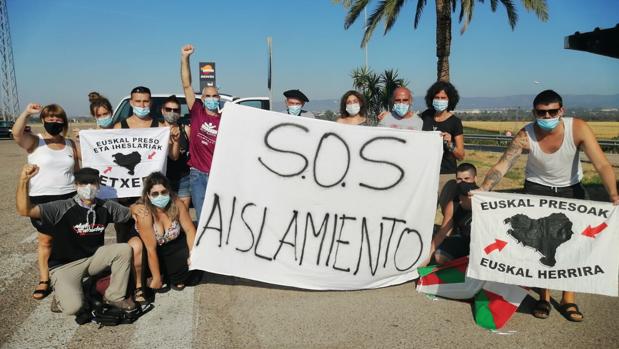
pixel 136 247
pixel 70 305
pixel 44 240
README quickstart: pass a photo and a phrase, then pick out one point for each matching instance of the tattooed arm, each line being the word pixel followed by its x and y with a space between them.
pixel 519 144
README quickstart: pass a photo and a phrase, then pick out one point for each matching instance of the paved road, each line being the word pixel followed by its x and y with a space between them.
pixel 227 312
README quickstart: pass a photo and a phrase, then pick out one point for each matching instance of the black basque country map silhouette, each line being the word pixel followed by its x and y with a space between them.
pixel 128 161
pixel 544 234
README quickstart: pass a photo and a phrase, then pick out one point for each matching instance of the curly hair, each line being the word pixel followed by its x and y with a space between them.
pixel 152 180
pixel 363 110
pixel 449 89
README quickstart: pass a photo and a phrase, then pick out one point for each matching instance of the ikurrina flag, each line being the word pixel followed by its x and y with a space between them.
pixel 539 241
pixel 124 157
pixel 494 303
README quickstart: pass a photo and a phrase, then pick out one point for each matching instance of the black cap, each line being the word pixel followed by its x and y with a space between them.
pixel 296 94
pixel 87 175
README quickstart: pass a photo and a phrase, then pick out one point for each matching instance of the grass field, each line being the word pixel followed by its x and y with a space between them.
pixel 602 129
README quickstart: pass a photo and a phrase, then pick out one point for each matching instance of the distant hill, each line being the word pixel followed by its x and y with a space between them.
pixel 522 101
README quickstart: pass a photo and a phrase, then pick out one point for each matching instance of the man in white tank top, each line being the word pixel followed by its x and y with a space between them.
pixel 553 169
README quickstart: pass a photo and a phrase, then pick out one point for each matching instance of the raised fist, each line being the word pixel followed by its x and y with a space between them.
pixel 187 50
pixel 33 108
pixel 28 171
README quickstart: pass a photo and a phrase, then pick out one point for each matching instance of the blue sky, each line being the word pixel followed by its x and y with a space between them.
pixel 65 48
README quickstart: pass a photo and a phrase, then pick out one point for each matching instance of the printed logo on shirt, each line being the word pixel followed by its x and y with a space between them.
pixel 84 229
pixel 209 128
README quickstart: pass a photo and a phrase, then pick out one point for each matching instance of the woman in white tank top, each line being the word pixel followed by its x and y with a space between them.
pixel 57 159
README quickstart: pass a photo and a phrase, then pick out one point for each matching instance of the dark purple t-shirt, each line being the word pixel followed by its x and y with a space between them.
pixel 203 135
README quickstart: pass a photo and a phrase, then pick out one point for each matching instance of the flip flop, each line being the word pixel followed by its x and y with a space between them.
pixel 40 294
pixel 571 315
pixel 541 309
pixel 139 296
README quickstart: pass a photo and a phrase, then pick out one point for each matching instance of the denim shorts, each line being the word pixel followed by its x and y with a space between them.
pixel 182 187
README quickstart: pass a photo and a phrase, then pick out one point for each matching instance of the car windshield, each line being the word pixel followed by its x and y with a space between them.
pixel 124 110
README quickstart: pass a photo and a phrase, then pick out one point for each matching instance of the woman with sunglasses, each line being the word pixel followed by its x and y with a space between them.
pixel 178 170
pixel 57 159
pixel 553 144
pixel 167 233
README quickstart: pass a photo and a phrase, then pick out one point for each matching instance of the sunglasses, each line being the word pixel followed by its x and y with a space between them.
pixel 172 110
pixel 542 112
pixel 155 194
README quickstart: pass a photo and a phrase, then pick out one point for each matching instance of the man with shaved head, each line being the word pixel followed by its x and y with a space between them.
pixel 205 117
pixel 402 114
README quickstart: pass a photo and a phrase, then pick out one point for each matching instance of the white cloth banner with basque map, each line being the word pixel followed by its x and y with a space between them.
pixel 314 204
pixel 124 157
pixel 549 242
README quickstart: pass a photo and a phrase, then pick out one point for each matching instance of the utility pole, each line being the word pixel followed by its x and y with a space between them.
pixel 365 14
pixel 9 101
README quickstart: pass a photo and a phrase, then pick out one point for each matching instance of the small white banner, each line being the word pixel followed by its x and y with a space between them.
pixel 549 242
pixel 315 204
pixel 124 157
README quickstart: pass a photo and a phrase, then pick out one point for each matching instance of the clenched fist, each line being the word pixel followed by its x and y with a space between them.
pixel 28 171
pixel 187 50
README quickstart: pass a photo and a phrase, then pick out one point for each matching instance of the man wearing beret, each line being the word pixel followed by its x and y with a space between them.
pixel 295 100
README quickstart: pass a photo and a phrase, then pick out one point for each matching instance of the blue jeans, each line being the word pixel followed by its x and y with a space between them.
pixel 197 181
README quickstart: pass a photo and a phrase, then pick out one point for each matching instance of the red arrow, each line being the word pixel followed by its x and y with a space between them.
pixel 150 157
pixel 108 169
pixel 592 232
pixel 496 245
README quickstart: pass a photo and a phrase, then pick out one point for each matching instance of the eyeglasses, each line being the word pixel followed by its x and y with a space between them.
pixel 155 194
pixel 170 110
pixel 542 112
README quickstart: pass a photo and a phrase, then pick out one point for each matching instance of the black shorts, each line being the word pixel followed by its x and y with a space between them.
pixel 576 191
pixel 43 199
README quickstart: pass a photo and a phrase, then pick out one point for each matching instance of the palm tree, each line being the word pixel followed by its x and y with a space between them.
pixel 376 88
pixel 388 10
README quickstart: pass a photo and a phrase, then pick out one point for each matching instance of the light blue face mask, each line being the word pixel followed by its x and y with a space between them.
pixel 440 104
pixel 211 103
pixel 141 112
pixel 547 124
pixel 401 108
pixel 160 201
pixel 105 121
pixel 294 110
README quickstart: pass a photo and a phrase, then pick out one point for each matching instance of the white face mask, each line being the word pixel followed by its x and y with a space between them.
pixel 353 109
pixel 87 192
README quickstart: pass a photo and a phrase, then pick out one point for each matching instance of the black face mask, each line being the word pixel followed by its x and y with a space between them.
pixel 464 188
pixel 53 128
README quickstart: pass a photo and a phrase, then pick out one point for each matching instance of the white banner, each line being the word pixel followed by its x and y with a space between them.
pixel 124 157
pixel 539 241
pixel 316 204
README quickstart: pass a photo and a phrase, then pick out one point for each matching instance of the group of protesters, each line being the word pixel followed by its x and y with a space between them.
pixel 156 228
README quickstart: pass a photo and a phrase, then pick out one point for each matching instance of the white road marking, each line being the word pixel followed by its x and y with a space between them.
pixel 43 329
pixel 172 316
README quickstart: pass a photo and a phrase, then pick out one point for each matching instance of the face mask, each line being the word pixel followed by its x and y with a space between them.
pixel 353 109
pixel 105 121
pixel 211 103
pixel 171 117
pixel 401 108
pixel 294 110
pixel 465 187
pixel 440 104
pixel 87 192
pixel 547 124
pixel 160 201
pixel 53 128
pixel 141 112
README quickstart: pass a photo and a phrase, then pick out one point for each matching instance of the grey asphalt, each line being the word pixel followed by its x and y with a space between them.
pixel 227 312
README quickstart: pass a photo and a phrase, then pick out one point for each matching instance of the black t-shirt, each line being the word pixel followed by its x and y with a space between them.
pixel 462 221
pixel 78 232
pixel 453 126
pixel 176 169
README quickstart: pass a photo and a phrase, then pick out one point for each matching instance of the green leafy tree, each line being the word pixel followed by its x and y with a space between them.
pixel 388 11
pixel 376 88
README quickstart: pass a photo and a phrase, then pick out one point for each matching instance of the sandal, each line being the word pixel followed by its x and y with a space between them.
pixel 40 294
pixel 541 309
pixel 573 315
pixel 139 296
pixel 178 287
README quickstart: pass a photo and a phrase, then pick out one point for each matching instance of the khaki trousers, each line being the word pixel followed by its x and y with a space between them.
pixel 67 279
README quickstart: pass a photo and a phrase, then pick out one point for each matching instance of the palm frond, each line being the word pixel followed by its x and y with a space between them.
pixel 354 12
pixel 418 11
pixel 540 8
pixel 373 21
pixel 392 9
pixel 466 13
pixel 512 15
